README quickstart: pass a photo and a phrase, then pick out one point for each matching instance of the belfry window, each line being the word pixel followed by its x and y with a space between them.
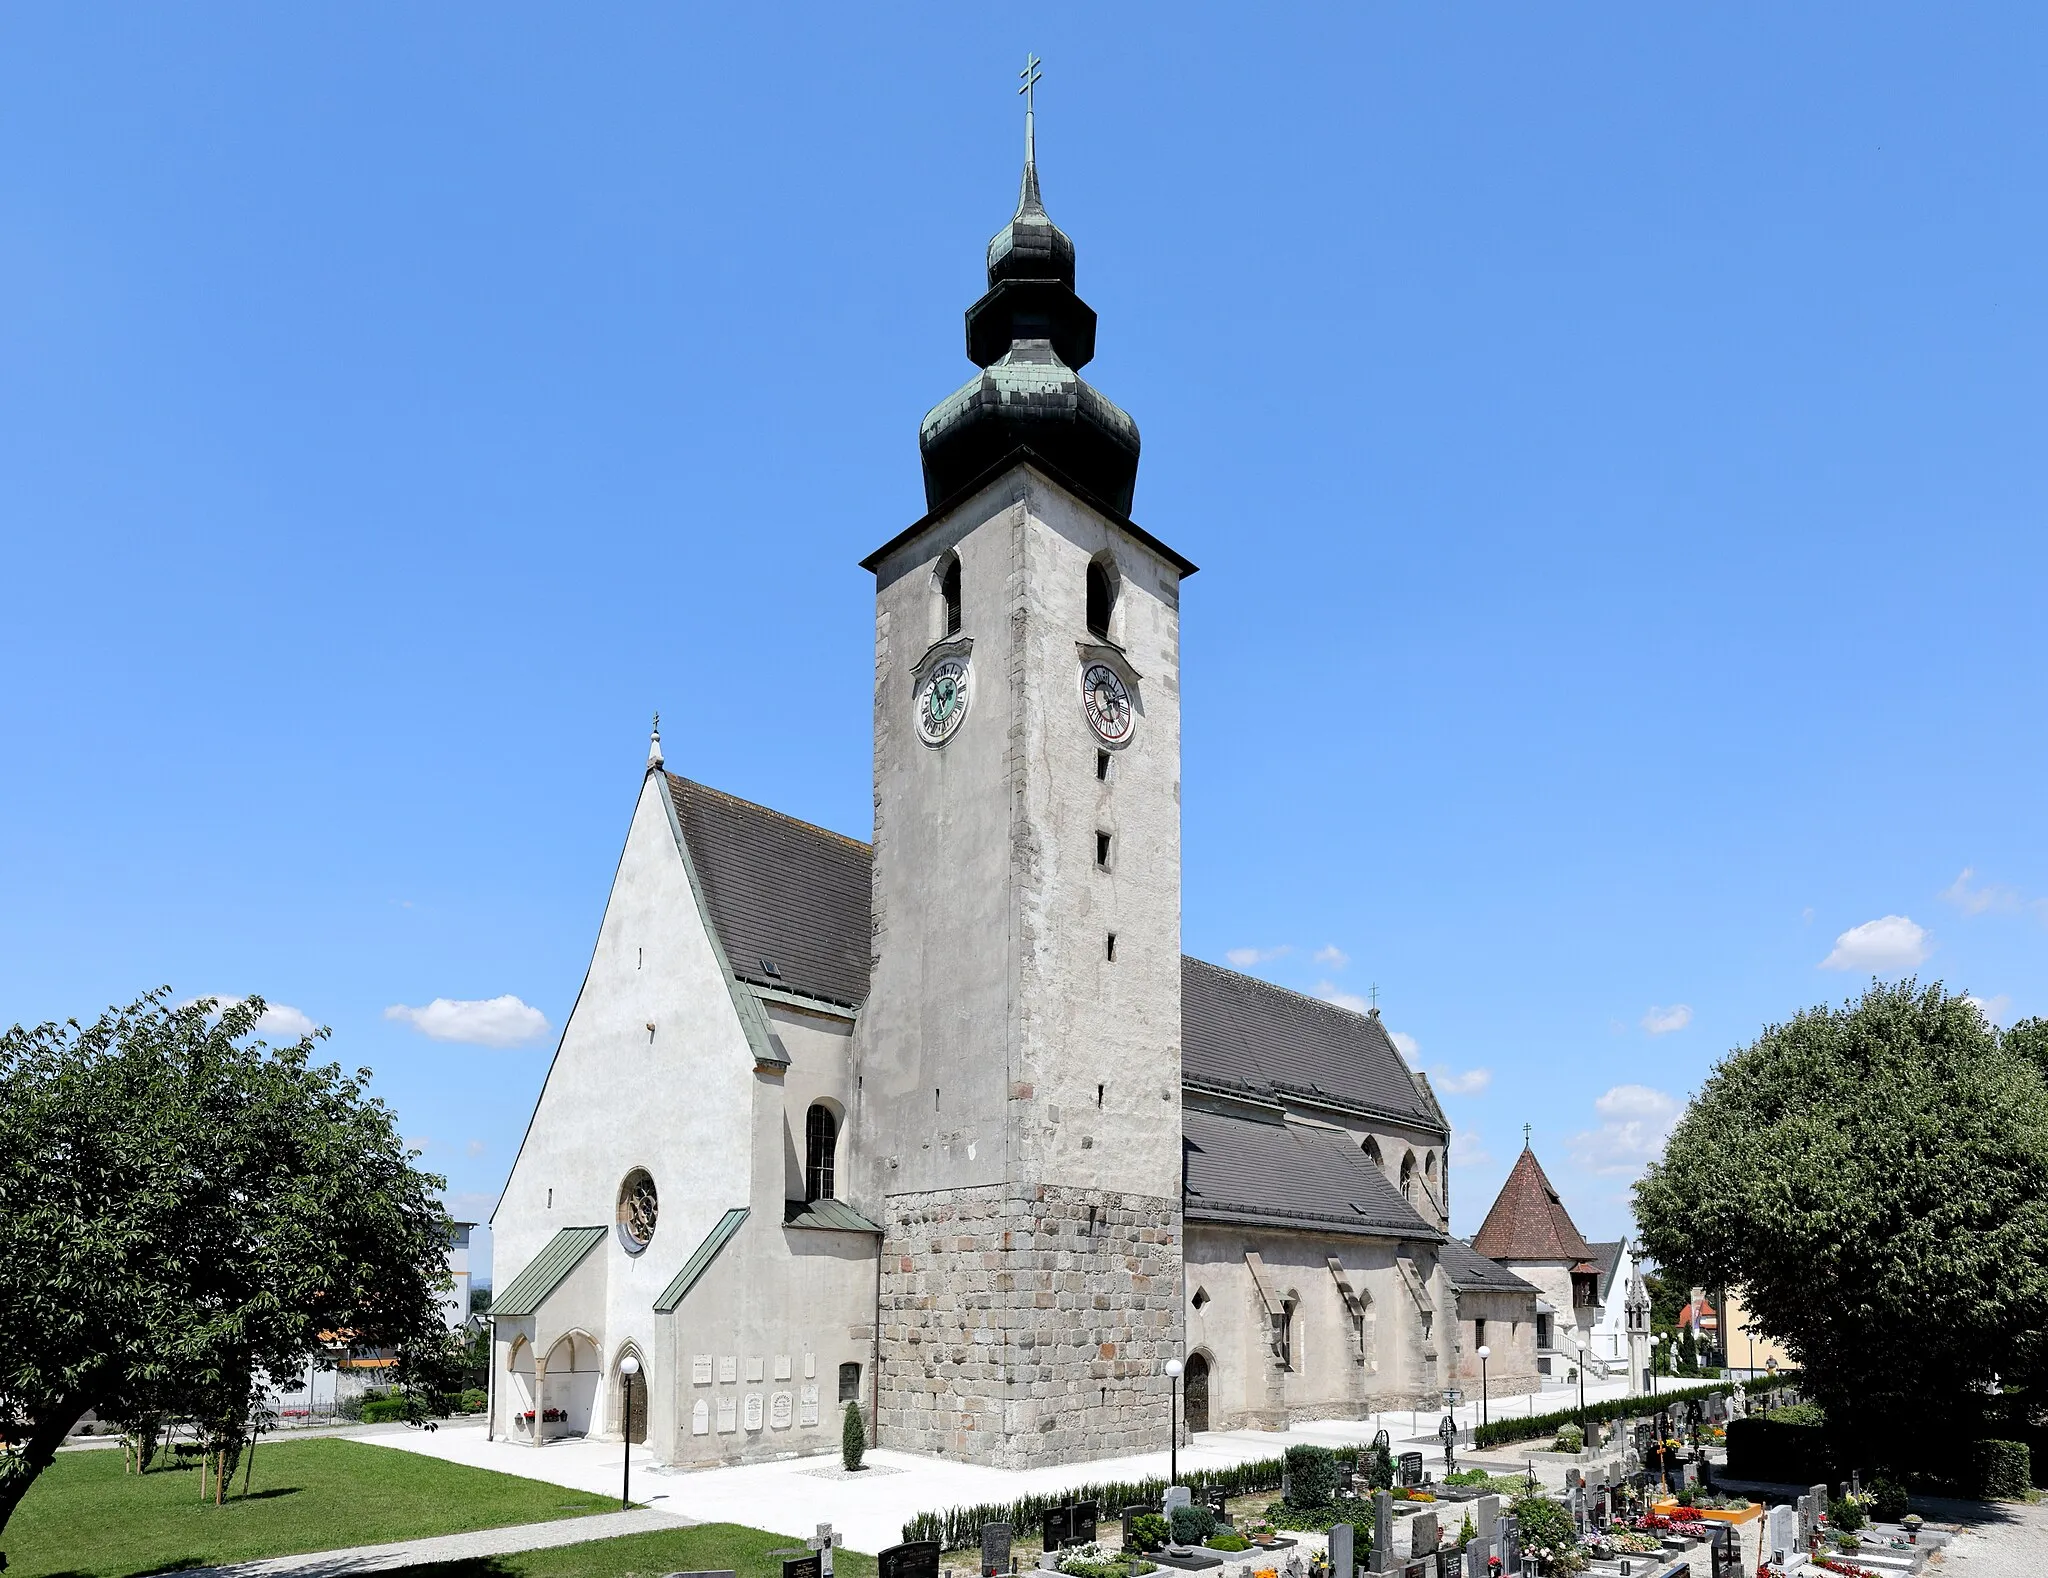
pixel 821 1139
pixel 1408 1176
pixel 1101 599
pixel 949 593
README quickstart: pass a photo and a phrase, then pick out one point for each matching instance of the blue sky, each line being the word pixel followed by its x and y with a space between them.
pixel 1612 442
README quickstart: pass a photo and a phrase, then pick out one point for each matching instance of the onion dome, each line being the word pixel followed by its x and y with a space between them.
pixel 1030 333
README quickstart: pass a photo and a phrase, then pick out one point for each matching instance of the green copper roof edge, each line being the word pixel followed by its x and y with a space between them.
pixel 700 1260
pixel 547 1270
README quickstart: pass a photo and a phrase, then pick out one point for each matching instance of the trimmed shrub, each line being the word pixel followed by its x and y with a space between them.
pixel 475 1400
pixel 1500 1432
pixel 1845 1514
pixel 1772 1450
pixel 1229 1542
pixel 1311 1476
pixel 853 1438
pixel 2001 1470
pixel 1193 1524
pixel 385 1410
pixel 1148 1531
pixel 1799 1414
pixel 1888 1501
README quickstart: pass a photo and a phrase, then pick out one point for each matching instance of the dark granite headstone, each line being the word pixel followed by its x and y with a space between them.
pixel 808 1566
pixel 1056 1529
pixel 995 1549
pixel 1136 1509
pixel 1083 1526
pixel 912 1559
pixel 1411 1468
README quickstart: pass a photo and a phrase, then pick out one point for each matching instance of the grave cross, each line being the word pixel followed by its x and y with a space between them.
pixel 822 1542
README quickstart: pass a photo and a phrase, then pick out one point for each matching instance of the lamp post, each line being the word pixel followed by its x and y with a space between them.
pixel 1584 1354
pixel 1173 1369
pixel 1485 1353
pixel 628 1368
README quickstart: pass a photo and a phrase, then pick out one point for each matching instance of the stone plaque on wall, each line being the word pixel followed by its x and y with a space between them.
pixel 778 1411
pixel 728 1367
pixel 753 1410
pixel 754 1369
pixel 728 1415
pixel 808 1414
pixel 700 1369
pixel 782 1367
pixel 810 1366
pixel 700 1418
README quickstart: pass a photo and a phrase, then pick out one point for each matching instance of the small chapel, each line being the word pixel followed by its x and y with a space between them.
pixel 944 1122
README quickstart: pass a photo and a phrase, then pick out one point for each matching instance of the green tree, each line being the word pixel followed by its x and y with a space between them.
pixel 1875 1176
pixel 183 1209
pixel 853 1438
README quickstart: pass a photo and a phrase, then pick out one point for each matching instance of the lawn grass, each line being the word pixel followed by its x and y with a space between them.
pixel 708 1547
pixel 86 1516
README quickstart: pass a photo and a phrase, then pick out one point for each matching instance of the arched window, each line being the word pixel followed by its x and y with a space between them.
pixel 949 592
pixel 1408 1176
pixel 1101 598
pixel 1429 1165
pixel 1372 1152
pixel 821 1138
pixel 1285 1324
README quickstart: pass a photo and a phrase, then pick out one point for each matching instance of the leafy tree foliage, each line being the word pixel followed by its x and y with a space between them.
pixel 183 1209
pixel 1875 1177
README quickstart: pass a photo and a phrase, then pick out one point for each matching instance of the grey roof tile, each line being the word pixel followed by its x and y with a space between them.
pixel 1467 1268
pixel 790 901
pixel 1288 1175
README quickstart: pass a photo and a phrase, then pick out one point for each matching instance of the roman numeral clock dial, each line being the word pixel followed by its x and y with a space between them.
pixel 942 701
pixel 1107 702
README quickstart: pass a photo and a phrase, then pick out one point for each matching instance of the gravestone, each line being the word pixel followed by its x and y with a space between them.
pixel 1819 1493
pixel 1056 1527
pixel 1511 1543
pixel 1217 1499
pixel 1136 1509
pixel 995 1549
pixel 802 1566
pixel 1486 1518
pixel 1447 1432
pixel 1476 1555
pixel 823 1542
pixel 912 1559
pixel 1086 1514
pixel 1340 1551
pixel 1177 1496
pixel 1804 1513
pixel 1579 1506
pixel 1781 1532
pixel 1411 1469
pixel 1422 1534
pixel 1382 1531
pixel 1688 1475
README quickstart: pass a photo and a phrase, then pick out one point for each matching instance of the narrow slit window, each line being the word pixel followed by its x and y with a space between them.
pixel 821 1143
pixel 949 590
pixel 1102 850
pixel 1102 766
pixel 1098 1094
pixel 1101 599
pixel 1109 949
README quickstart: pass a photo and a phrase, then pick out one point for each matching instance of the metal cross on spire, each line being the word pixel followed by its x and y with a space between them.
pixel 1525 1136
pixel 1030 75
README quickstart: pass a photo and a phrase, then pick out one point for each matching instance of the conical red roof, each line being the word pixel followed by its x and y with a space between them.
pixel 1528 1221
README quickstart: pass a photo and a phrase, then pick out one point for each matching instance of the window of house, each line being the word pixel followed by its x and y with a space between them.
pixel 1542 1331
pixel 849 1382
pixel 821 1141
pixel 1478 1334
pixel 949 593
pixel 1102 766
pixel 1101 599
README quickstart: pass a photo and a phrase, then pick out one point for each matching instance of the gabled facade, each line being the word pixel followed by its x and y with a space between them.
pixel 1529 1231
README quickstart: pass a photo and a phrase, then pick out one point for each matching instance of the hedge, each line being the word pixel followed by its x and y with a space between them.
pixel 1779 1452
pixel 2001 1470
pixel 1500 1432
pixel 959 1528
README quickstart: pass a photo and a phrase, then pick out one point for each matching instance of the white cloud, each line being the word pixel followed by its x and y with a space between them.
pixel 1975 901
pixel 279 1021
pixel 1335 957
pixel 1468 1149
pixel 476 1147
pixel 1662 1021
pixel 1470 1083
pixel 1331 992
pixel 1890 943
pixel 1635 1122
pixel 1245 958
pixel 418 1142
pixel 1405 1044
pixel 1996 1010
pixel 486 1022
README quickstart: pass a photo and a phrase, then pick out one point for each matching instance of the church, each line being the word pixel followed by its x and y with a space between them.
pixel 946 1123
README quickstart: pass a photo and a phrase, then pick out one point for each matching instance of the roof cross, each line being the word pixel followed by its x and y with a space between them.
pixel 1030 74
pixel 1525 1136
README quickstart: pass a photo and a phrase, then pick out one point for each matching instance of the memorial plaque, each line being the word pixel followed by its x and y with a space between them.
pixel 754 1370
pixel 700 1418
pixel 810 1366
pixel 915 1559
pixel 779 1411
pixel 1056 1527
pixel 807 1403
pixel 700 1369
pixel 995 1549
pixel 782 1367
pixel 728 1367
pixel 753 1410
pixel 728 1415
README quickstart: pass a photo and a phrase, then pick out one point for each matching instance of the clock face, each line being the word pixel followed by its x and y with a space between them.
pixel 1107 703
pixel 942 701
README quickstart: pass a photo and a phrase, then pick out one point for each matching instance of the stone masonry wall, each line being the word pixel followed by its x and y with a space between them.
pixel 1024 1324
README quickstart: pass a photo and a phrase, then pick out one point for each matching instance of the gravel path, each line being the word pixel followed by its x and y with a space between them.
pixel 449 1547
pixel 2004 1539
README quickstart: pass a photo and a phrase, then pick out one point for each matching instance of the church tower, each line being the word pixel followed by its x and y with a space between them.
pixel 1018 1120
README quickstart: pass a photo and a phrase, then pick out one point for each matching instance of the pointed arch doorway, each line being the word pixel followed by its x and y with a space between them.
pixel 1197 1401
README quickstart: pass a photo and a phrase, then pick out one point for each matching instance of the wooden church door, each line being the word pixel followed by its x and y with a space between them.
pixel 1198 1394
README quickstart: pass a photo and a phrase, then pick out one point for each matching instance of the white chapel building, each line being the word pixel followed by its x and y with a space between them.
pixel 945 1122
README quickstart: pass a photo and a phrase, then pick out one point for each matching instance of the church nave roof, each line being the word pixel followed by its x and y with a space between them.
pixel 1252 1172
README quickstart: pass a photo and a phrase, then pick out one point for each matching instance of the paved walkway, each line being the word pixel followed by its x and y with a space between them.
pixel 793 1496
pixel 448 1547
pixel 2003 1539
